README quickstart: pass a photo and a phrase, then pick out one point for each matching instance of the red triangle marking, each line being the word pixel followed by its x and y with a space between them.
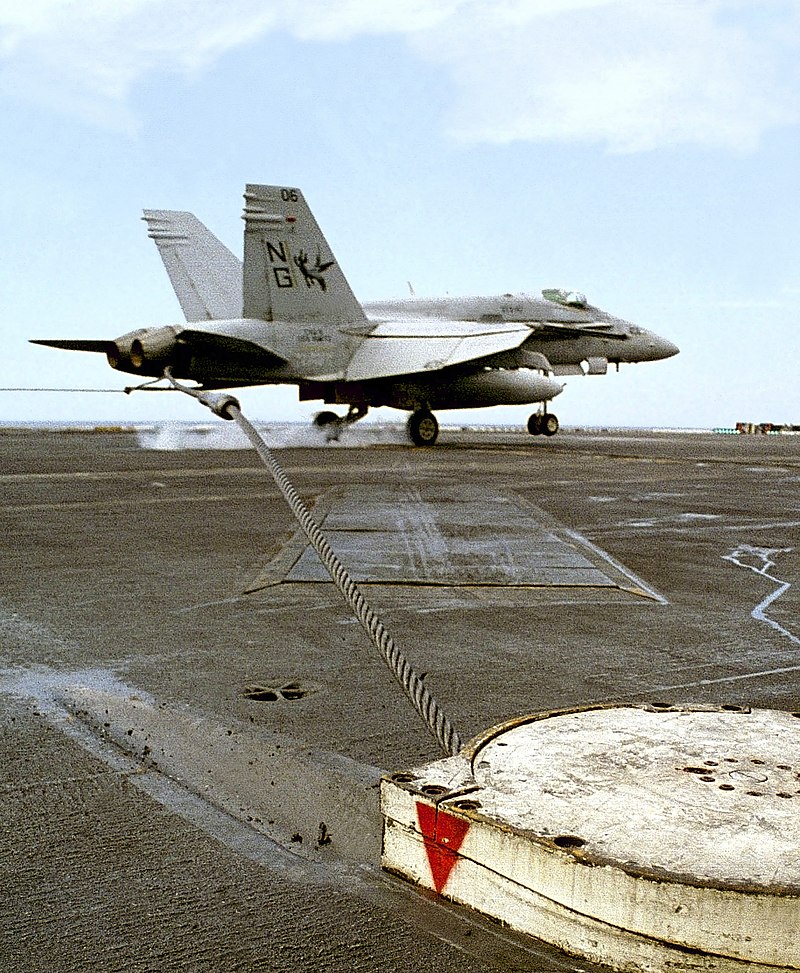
pixel 442 835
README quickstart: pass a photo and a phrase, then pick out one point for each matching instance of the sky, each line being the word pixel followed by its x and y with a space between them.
pixel 645 154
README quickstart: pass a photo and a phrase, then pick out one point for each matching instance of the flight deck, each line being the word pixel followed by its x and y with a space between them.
pixel 193 726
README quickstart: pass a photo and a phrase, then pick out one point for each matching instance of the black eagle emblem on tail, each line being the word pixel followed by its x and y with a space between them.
pixel 313 275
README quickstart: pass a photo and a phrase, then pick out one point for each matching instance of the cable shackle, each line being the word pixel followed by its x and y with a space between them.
pixel 220 403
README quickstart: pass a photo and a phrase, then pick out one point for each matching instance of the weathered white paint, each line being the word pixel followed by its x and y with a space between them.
pixel 587 830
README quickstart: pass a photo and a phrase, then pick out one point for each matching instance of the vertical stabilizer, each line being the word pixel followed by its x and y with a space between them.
pixel 290 273
pixel 205 275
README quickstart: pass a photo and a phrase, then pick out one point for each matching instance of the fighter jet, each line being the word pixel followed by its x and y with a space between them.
pixel 288 316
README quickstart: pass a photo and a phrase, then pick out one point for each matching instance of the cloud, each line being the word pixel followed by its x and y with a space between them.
pixel 631 76
pixel 617 73
pixel 85 56
pixel 342 19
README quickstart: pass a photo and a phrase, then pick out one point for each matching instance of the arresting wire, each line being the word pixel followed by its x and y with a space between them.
pixel 227 407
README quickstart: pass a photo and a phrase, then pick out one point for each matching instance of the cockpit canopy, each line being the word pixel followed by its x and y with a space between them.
pixel 561 296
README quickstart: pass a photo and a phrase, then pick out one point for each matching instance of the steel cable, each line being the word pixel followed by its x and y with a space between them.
pixel 227 407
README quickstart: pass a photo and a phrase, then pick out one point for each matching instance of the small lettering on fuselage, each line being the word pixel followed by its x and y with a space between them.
pixel 313 336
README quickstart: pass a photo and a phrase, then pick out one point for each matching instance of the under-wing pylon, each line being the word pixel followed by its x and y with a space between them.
pixel 287 315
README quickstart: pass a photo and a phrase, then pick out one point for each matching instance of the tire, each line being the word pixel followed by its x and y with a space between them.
pixel 549 424
pixel 322 419
pixel 535 424
pixel 423 428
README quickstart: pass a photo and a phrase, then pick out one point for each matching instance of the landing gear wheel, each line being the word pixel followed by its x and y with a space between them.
pixel 330 424
pixel 535 424
pixel 322 419
pixel 423 428
pixel 549 424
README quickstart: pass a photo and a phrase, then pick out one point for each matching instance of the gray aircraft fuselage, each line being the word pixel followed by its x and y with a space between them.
pixel 613 339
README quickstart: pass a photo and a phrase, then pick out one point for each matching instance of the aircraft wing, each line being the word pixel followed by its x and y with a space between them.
pixel 402 348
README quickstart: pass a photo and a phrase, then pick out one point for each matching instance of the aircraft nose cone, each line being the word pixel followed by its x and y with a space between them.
pixel 661 348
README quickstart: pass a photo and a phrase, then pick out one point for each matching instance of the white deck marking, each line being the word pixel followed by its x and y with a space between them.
pixel 764 555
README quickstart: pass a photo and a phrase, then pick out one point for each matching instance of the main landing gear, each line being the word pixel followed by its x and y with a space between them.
pixel 332 424
pixel 423 429
pixel 543 424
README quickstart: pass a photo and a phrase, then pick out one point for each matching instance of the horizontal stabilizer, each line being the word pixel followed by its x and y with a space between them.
pixel 75 344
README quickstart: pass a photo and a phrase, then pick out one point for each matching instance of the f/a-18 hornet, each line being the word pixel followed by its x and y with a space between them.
pixel 288 316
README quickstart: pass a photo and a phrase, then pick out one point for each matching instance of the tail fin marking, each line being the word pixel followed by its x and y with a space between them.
pixel 290 273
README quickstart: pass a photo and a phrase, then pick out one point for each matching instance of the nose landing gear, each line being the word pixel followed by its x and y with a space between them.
pixel 543 424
